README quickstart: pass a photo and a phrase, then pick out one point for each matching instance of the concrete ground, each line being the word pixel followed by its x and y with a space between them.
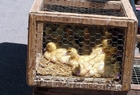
pixel 13 46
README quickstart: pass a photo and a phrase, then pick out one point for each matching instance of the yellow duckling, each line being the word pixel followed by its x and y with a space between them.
pixel 97 64
pixel 101 65
pixel 112 70
pixel 78 63
pixel 108 35
pixel 117 68
pixel 54 54
pixel 109 70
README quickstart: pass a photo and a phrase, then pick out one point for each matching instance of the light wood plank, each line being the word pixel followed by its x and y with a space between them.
pixel 37 6
pixel 82 20
pixel 135 87
pixel 31 49
pixel 138 38
pixel 129 57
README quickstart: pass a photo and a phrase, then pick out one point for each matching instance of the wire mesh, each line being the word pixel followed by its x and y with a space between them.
pixel 96 8
pixel 136 72
pixel 99 50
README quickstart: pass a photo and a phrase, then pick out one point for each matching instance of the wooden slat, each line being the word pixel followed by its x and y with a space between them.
pixel 137 56
pixel 39 38
pixel 138 38
pixel 135 87
pixel 87 4
pixel 129 57
pixel 89 20
pixel 37 6
pixel 31 49
pixel 75 83
pixel 129 10
pixel 58 91
pixel 82 15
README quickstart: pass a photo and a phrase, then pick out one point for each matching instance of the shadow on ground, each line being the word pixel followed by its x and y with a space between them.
pixel 13 69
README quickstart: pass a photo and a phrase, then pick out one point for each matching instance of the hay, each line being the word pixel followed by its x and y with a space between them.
pixel 55 69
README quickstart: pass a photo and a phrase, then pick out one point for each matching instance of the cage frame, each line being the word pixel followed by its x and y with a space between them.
pixel 37 17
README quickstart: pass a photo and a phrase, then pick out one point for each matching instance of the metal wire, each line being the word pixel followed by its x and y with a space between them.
pixel 82 10
pixel 84 38
pixel 136 72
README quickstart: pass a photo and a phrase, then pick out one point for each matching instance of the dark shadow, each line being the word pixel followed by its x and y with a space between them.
pixel 13 69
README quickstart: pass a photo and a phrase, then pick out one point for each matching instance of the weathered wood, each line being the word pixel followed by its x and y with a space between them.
pixel 137 56
pixel 31 49
pixel 57 91
pixel 83 15
pixel 129 56
pixel 37 6
pixel 39 37
pixel 50 17
pixel 135 87
pixel 130 13
pixel 138 38
pixel 82 83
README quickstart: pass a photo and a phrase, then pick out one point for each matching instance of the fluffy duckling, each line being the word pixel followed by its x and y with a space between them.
pixel 117 68
pixel 97 64
pixel 104 47
pixel 102 54
pixel 108 35
pixel 101 66
pixel 54 54
pixel 78 63
pixel 109 70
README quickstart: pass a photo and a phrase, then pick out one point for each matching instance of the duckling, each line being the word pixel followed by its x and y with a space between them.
pixel 97 65
pixel 54 54
pixel 101 66
pixel 104 47
pixel 78 63
pixel 108 35
pixel 96 51
pixel 114 50
pixel 60 29
pixel 109 70
pixel 117 68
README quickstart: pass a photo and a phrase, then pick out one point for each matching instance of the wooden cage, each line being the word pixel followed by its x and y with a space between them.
pixel 97 21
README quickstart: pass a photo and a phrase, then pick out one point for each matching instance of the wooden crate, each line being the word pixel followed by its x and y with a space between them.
pixel 98 16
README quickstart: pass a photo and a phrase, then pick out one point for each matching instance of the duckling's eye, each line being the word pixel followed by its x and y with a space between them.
pixel 68 51
pixel 48 45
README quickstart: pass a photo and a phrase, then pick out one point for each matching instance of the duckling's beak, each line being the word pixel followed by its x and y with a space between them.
pixel 65 54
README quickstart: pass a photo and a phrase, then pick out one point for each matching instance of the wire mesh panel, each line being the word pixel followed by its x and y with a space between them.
pixel 85 7
pixel 136 72
pixel 88 42
pixel 83 44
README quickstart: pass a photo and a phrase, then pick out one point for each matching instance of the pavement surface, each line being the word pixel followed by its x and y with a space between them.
pixel 13 46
